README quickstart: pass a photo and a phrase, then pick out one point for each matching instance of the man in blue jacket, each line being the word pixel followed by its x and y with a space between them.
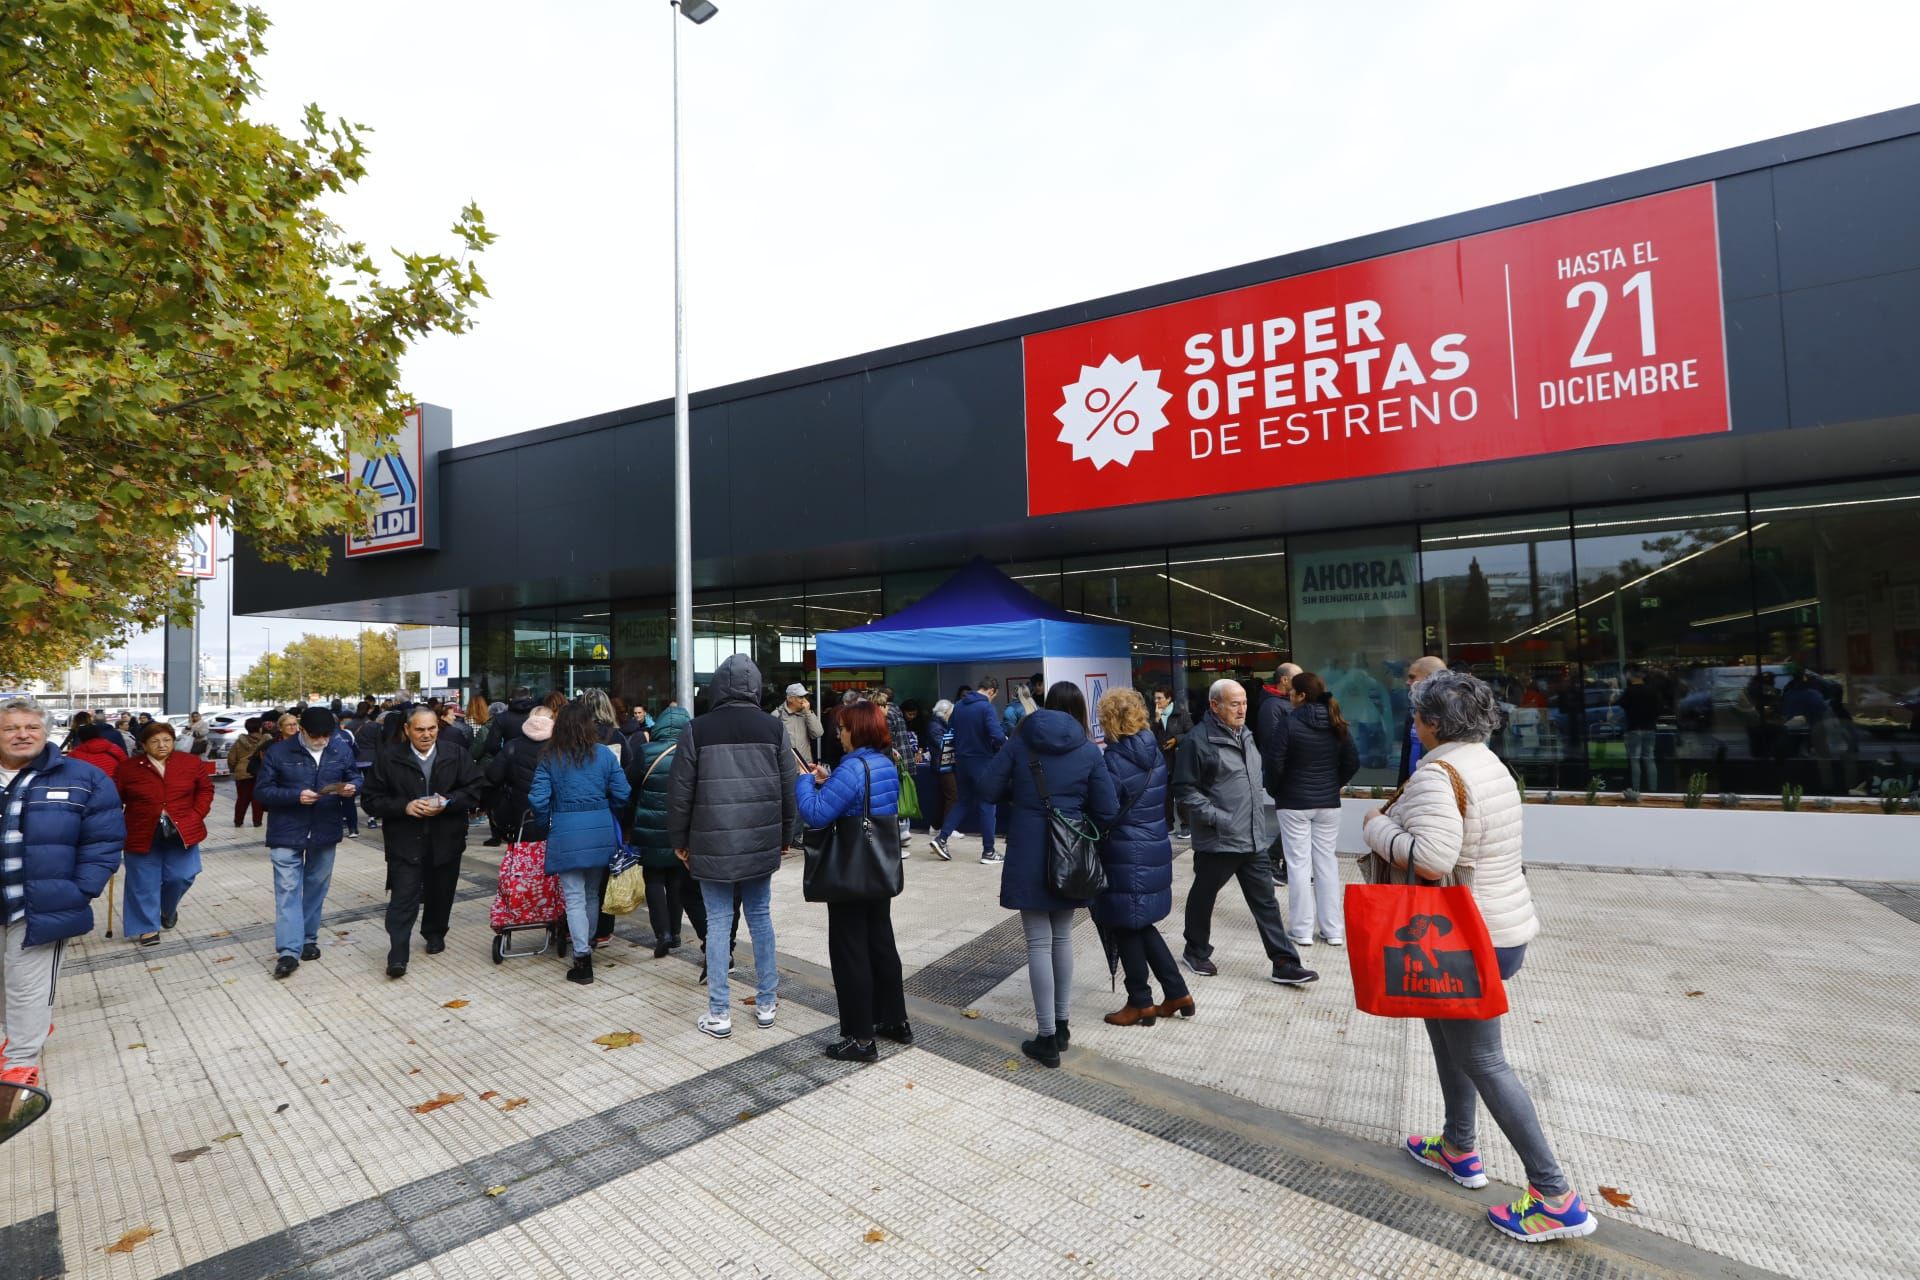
pixel 61 836
pixel 306 783
pixel 977 737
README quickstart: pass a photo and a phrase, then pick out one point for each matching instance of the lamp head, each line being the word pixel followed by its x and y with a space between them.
pixel 696 11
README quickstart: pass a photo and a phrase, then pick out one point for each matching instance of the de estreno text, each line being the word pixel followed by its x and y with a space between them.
pixel 1251 368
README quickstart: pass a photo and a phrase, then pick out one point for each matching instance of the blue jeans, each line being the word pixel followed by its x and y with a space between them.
pixel 967 800
pixel 156 881
pixel 581 915
pixel 756 901
pixel 300 880
pixel 1473 1068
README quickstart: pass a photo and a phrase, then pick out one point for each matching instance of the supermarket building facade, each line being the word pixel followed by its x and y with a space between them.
pixel 1660 429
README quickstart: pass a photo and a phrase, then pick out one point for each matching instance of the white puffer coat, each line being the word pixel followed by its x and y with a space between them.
pixel 1484 850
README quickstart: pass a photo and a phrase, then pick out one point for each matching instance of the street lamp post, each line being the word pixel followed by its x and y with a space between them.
pixel 268 633
pixel 695 11
pixel 228 561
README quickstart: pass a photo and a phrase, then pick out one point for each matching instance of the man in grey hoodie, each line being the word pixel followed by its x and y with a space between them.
pixel 1217 784
pixel 730 810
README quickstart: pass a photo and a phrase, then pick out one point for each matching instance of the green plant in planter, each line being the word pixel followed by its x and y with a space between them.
pixel 1893 794
pixel 1377 792
pixel 1630 796
pixel 1790 797
pixel 1519 783
pixel 1729 800
pixel 1593 790
pixel 1696 790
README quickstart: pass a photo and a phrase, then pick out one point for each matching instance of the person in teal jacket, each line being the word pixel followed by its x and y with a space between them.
pixel 579 789
pixel 671 892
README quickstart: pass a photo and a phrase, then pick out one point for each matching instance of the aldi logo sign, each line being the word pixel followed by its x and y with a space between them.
pixel 401 478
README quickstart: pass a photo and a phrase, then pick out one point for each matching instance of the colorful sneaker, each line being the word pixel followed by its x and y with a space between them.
pixel 1431 1152
pixel 28 1076
pixel 1533 1220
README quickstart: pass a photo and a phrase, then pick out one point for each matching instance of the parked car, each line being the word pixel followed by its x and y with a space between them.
pixel 226 727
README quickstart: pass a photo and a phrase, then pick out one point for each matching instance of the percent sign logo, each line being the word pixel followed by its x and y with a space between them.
pixel 1111 413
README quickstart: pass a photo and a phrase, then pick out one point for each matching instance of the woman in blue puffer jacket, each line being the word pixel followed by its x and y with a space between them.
pixel 578 788
pixel 1138 856
pixel 866 963
pixel 1078 785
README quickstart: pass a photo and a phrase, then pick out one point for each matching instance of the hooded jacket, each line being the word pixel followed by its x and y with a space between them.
pixel 282 771
pixel 977 732
pixel 1077 784
pixel 650 775
pixel 1137 852
pixel 1217 780
pixel 510 771
pixel 102 752
pixel 512 722
pixel 1307 762
pixel 731 803
pixel 71 833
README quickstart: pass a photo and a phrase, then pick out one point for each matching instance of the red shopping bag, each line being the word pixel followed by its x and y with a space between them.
pixel 1421 951
pixel 528 895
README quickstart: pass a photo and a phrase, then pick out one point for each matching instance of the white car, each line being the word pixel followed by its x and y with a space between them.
pixel 226 727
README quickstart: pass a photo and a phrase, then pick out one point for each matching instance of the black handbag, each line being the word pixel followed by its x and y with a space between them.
pixel 1074 869
pixel 856 859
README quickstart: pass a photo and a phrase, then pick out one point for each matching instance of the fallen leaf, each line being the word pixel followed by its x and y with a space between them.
pixel 341 933
pixel 414 1072
pixel 152 968
pixel 221 959
pixel 1011 1064
pixel 281 1063
pixel 1072 1256
pixel 744 1116
pixel 282 1107
pixel 497 1191
pixel 618 1039
pixel 190 1154
pixel 1145 1185
pixel 326 1079
pixel 1616 1197
pixel 228 1136
pixel 1695 993
pixel 971 1013
pixel 909 1084
pixel 750 1000
pixel 454 1004
pixel 511 1103
pixel 229 982
pixel 221 933
pixel 489 1095
pixel 413 1042
pixel 436 1102
pixel 875 1236
pixel 138 1044
pixel 132 1238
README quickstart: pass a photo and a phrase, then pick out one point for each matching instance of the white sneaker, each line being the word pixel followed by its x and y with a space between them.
pixel 764 1014
pixel 906 851
pixel 1301 942
pixel 718 1028
pixel 1333 942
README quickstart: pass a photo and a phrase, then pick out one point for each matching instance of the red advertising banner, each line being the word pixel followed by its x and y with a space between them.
pixel 1596 328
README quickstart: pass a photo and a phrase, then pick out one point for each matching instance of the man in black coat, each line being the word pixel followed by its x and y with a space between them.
pixel 1171 722
pixel 422 792
pixel 1268 723
pixel 1417 670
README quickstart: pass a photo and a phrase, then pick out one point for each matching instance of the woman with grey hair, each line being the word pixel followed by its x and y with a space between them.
pixel 1457 821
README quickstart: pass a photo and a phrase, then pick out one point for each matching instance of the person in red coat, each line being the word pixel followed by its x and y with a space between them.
pixel 166 795
pixel 99 746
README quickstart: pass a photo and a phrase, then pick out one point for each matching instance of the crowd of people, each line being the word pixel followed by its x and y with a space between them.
pixel 713 803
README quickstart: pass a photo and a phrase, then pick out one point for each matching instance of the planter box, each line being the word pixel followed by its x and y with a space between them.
pixel 1839 846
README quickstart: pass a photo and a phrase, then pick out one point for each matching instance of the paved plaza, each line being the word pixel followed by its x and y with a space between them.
pixel 1737 1061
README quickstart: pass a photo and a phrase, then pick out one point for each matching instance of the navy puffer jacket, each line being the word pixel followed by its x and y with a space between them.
pixel 1309 762
pixel 1137 853
pixel 72 832
pixel 1077 783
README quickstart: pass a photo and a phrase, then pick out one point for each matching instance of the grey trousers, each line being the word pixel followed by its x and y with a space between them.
pixel 1473 1067
pixel 1049 965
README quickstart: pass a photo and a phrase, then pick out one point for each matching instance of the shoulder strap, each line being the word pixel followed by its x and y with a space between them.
pixel 867 767
pixel 1459 787
pixel 671 748
pixel 1039 779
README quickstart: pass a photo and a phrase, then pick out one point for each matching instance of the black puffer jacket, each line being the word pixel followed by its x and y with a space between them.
pixel 509 723
pixel 731 799
pixel 510 772
pixel 1309 762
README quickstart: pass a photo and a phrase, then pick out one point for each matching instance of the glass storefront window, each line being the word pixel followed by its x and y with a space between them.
pixel 583 650
pixel 1130 589
pixel 642 670
pixel 774 622
pixel 1356 622
pixel 835 606
pixel 1666 604
pixel 1499 602
pixel 533 647
pixel 1227 615
pixel 1837 592
pixel 1042 577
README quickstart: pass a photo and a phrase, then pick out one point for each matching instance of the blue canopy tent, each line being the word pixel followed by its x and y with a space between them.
pixel 979 615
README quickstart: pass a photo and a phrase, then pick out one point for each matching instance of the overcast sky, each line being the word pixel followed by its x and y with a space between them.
pixel 863 175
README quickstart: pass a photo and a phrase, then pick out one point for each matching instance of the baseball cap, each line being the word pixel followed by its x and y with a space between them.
pixel 796 691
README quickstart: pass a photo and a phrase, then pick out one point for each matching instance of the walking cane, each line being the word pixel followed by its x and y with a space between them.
pixel 110 880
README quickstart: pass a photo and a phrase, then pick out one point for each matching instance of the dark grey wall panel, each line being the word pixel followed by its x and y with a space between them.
pixel 950 425
pixel 792 466
pixel 1749 254
pixel 1756 364
pixel 1851 349
pixel 1850 214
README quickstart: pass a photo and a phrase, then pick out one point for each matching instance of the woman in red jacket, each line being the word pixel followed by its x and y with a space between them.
pixel 167 795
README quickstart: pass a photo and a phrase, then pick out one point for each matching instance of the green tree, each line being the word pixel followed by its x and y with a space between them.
pixel 325 667
pixel 183 331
